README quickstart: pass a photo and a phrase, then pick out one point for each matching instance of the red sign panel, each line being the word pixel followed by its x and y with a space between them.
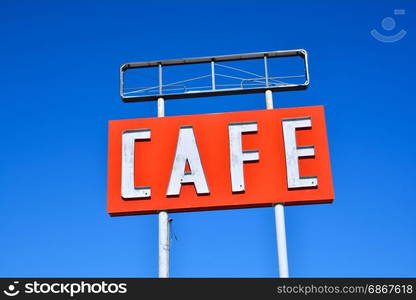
pixel 218 161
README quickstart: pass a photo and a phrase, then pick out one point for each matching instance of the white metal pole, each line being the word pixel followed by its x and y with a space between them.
pixel 160 107
pixel 164 241
pixel 164 245
pixel 279 214
pixel 269 99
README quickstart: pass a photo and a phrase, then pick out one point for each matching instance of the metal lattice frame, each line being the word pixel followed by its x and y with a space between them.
pixel 256 84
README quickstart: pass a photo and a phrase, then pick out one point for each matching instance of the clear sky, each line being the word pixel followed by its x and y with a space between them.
pixel 59 87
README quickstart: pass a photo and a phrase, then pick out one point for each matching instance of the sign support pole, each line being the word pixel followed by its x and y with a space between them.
pixel 279 214
pixel 164 242
pixel 164 224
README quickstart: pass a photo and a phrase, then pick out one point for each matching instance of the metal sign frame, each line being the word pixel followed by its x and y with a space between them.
pixel 214 91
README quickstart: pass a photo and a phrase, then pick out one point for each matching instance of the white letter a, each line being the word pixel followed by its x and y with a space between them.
pixel 187 151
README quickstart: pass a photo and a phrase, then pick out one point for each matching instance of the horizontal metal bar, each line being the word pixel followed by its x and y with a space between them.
pixel 196 60
pixel 219 92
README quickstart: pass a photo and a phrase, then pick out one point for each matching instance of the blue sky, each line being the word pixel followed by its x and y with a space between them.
pixel 59 87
